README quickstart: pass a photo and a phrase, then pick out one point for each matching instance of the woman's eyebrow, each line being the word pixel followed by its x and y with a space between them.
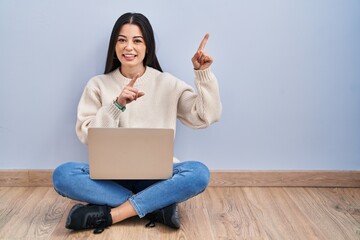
pixel 133 36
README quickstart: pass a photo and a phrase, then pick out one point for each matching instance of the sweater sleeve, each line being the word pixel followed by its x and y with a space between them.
pixel 92 113
pixel 202 108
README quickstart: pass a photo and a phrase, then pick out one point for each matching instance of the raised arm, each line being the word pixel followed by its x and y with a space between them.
pixel 200 108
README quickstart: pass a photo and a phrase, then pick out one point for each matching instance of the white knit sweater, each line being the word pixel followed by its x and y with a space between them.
pixel 166 98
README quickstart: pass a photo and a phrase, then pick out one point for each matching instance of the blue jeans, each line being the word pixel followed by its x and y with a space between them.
pixel 189 178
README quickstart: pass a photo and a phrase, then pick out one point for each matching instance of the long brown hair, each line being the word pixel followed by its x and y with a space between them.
pixel 112 62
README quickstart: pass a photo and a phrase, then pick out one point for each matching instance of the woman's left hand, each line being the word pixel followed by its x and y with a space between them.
pixel 201 59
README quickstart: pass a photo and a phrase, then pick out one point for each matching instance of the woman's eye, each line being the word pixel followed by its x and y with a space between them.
pixel 121 40
pixel 137 41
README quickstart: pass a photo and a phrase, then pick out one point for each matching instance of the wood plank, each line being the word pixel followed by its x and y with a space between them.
pixel 278 215
pixel 38 217
pixel 250 227
pixel 338 207
pixel 327 222
pixel 262 206
pixel 53 205
pixel 353 197
pixel 12 201
pixel 194 219
pixel 60 232
pixel 127 229
pixel 345 200
pixel 229 215
pixel 218 213
pixel 4 190
pixel 18 226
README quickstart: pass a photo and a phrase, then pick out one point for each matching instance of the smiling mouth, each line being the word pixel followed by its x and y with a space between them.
pixel 129 57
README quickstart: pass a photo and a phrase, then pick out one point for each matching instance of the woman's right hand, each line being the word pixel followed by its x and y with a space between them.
pixel 129 93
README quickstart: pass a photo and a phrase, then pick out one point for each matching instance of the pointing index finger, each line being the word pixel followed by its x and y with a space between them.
pixel 132 82
pixel 203 42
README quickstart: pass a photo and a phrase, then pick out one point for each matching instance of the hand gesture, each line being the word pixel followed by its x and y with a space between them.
pixel 129 93
pixel 201 59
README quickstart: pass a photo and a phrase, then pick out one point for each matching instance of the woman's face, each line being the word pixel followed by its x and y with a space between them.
pixel 130 47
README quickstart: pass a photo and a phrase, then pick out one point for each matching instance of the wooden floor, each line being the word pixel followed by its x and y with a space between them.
pixel 218 213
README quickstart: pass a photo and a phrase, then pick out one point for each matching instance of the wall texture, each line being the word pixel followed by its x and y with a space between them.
pixel 288 71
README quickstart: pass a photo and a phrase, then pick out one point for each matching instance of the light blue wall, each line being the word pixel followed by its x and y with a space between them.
pixel 289 73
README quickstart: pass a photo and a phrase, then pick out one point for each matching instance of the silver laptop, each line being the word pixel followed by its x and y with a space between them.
pixel 130 153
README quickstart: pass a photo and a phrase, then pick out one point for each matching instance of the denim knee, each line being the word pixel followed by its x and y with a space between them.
pixel 60 177
pixel 202 175
pixel 199 177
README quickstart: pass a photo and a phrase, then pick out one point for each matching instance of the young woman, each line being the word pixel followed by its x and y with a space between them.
pixel 134 92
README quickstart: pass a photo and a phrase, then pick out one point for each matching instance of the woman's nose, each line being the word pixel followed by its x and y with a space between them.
pixel 129 46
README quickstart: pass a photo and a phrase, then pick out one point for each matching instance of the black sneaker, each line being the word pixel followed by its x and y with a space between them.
pixel 89 216
pixel 168 216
